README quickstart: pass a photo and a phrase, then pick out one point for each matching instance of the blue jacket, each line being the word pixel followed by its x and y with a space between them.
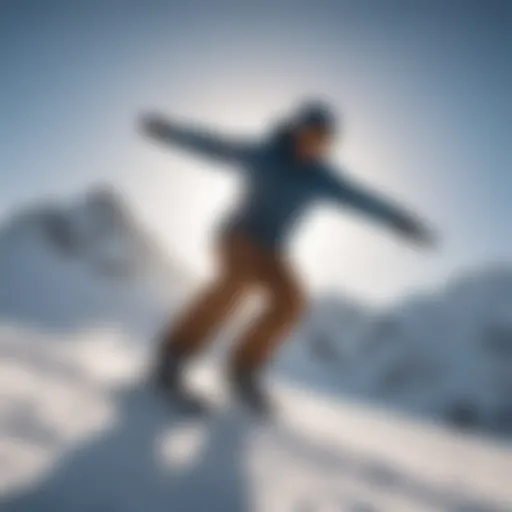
pixel 279 188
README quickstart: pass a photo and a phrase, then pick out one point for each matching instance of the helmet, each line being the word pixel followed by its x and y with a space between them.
pixel 316 113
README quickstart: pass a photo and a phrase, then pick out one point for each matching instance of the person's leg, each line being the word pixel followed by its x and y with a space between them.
pixel 211 308
pixel 285 305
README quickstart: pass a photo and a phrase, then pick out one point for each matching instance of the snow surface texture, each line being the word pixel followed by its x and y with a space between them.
pixel 80 431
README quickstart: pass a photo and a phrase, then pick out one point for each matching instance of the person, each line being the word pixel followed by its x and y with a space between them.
pixel 285 172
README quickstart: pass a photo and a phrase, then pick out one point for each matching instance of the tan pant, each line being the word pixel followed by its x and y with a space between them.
pixel 245 266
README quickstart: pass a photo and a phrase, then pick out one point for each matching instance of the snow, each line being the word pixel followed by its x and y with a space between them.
pixel 430 355
pixel 80 430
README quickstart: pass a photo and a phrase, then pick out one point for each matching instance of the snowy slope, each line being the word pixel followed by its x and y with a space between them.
pixel 447 356
pixel 78 434
pixel 81 297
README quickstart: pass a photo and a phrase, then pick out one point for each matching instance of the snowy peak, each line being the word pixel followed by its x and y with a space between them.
pixel 65 265
pixel 447 355
pixel 98 228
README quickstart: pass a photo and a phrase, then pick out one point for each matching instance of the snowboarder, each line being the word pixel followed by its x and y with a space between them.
pixel 285 172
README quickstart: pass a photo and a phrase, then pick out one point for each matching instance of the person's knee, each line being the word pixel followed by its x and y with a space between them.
pixel 230 285
pixel 289 304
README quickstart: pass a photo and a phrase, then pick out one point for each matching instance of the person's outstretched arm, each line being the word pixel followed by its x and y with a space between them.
pixel 197 141
pixel 406 223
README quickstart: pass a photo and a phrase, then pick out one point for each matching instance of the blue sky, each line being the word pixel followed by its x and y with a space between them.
pixel 425 87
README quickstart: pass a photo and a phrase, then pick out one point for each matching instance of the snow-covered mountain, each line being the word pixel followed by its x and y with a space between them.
pixel 447 355
pixel 86 260
pixel 83 288
pixel 97 228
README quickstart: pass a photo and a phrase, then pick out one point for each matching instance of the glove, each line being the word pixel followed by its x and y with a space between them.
pixel 156 126
pixel 416 231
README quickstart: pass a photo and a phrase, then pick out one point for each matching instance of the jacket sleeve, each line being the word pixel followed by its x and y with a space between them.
pixel 344 192
pixel 194 140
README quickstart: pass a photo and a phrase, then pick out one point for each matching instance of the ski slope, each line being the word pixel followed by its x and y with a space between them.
pixel 80 431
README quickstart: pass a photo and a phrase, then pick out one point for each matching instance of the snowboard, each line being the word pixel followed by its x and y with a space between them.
pixel 190 403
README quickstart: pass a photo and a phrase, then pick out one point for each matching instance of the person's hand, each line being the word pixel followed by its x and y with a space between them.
pixel 416 231
pixel 155 125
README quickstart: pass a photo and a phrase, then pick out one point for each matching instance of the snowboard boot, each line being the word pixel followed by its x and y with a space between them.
pixel 250 392
pixel 168 377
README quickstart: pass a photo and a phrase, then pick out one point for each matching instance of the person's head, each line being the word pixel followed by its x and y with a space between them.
pixel 314 130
